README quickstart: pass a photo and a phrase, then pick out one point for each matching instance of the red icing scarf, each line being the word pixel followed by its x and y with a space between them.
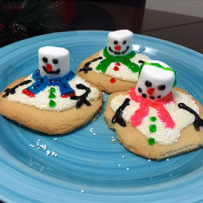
pixel 145 103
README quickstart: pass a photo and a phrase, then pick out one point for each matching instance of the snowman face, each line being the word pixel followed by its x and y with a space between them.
pixel 155 83
pixel 53 61
pixel 119 42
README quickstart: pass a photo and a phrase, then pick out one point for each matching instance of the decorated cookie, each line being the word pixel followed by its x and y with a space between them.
pixel 116 67
pixel 52 99
pixel 152 119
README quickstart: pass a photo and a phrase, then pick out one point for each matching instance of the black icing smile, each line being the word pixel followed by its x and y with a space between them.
pixel 118 52
pixel 51 72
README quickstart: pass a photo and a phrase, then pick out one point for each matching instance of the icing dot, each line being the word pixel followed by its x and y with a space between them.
pixel 116 68
pixel 161 87
pixel 148 83
pixel 152 128
pixel 45 59
pixel 152 97
pixel 52 90
pixel 151 141
pixel 117 64
pixel 52 96
pixel 52 103
pixel 115 42
pixel 113 80
pixel 139 89
pixel 144 95
pixel 153 119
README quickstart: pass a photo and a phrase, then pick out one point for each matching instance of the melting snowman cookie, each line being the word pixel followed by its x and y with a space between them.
pixel 116 67
pixel 152 119
pixel 52 99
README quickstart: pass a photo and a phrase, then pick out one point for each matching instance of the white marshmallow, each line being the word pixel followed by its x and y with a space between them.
pixel 120 42
pixel 53 61
pixel 155 82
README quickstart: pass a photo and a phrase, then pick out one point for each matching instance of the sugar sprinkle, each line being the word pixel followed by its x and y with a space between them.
pixel 92 131
pixel 44 147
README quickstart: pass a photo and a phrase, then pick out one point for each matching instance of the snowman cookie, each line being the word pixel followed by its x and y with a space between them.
pixel 152 119
pixel 116 67
pixel 52 99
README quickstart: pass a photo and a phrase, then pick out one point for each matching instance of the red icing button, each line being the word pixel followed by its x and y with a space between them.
pixel 113 80
pixel 28 93
pixel 116 68
pixel 118 64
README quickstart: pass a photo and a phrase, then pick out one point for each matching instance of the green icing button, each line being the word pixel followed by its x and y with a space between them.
pixel 153 119
pixel 152 128
pixel 151 141
pixel 52 103
pixel 52 96
pixel 52 90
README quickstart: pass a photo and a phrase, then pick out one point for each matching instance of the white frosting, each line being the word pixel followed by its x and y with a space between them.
pixel 41 100
pixel 163 135
pixel 124 72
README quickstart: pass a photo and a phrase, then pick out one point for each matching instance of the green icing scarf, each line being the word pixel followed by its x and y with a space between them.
pixel 103 65
pixel 158 66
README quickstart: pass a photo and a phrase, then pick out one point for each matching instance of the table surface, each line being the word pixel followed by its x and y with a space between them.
pixel 132 15
pixel 180 29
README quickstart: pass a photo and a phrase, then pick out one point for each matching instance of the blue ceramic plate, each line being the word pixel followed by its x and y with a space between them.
pixel 89 165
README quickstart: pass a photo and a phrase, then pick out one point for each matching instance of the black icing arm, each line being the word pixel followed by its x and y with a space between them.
pixel 118 117
pixel 86 67
pixel 13 89
pixel 198 121
pixel 83 98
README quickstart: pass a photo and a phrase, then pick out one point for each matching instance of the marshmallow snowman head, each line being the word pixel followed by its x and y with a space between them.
pixel 119 42
pixel 156 80
pixel 53 61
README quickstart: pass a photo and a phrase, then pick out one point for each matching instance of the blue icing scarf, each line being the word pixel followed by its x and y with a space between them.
pixel 42 82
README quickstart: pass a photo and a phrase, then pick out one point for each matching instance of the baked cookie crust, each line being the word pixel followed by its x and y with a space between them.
pixel 46 121
pixel 137 143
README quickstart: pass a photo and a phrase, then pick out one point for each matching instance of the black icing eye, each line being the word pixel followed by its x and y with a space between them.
pixel 115 42
pixel 124 42
pixel 152 97
pixel 148 83
pixel 159 97
pixel 55 61
pixel 161 87
pixel 45 59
